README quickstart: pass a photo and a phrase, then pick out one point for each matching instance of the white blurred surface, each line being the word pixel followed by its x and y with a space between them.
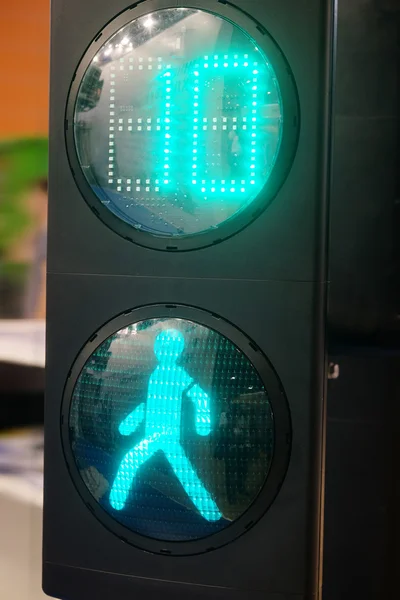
pixel 21 509
pixel 23 342
pixel 20 540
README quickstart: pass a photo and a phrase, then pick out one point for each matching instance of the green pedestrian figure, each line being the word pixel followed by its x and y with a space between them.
pixel 162 415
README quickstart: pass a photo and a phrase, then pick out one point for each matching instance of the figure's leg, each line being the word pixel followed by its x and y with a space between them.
pixel 127 472
pixel 191 483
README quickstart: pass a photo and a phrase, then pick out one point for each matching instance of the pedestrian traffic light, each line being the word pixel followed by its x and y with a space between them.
pixel 198 460
pixel 186 299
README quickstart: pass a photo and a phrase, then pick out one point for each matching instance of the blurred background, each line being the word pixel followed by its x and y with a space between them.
pixel 24 65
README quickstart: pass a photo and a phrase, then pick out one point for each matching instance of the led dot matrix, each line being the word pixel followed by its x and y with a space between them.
pixel 239 132
pixel 192 137
pixel 171 429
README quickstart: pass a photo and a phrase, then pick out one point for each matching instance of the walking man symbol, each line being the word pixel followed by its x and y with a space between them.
pixel 162 416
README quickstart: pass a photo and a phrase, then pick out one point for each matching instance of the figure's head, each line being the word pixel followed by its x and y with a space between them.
pixel 169 345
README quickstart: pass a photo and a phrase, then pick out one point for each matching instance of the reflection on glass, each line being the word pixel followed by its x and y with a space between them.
pixel 178 122
pixel 171 429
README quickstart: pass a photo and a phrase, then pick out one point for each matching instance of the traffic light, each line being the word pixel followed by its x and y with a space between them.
pixel 189 155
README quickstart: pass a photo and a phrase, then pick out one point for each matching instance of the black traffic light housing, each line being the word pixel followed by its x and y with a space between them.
pixel 265 279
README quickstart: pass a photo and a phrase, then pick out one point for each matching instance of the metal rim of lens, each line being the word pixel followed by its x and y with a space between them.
pixel 286 152
pixel 282 430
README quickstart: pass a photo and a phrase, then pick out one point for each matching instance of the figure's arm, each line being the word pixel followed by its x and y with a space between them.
pixel 201 401
pixel 133 420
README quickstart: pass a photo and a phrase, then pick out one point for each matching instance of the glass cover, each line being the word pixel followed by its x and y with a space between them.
pixel 178 122
pixel 171 429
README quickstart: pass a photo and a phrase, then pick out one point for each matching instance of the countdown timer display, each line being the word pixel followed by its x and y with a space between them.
pixel 178 123
pixel 171 430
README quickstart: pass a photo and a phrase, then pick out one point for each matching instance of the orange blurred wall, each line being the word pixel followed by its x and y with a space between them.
pixel 24 67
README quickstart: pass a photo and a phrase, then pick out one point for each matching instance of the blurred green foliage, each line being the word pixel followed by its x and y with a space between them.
pixel 23 163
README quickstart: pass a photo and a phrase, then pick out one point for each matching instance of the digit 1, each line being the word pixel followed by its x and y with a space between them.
pixel 166 158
